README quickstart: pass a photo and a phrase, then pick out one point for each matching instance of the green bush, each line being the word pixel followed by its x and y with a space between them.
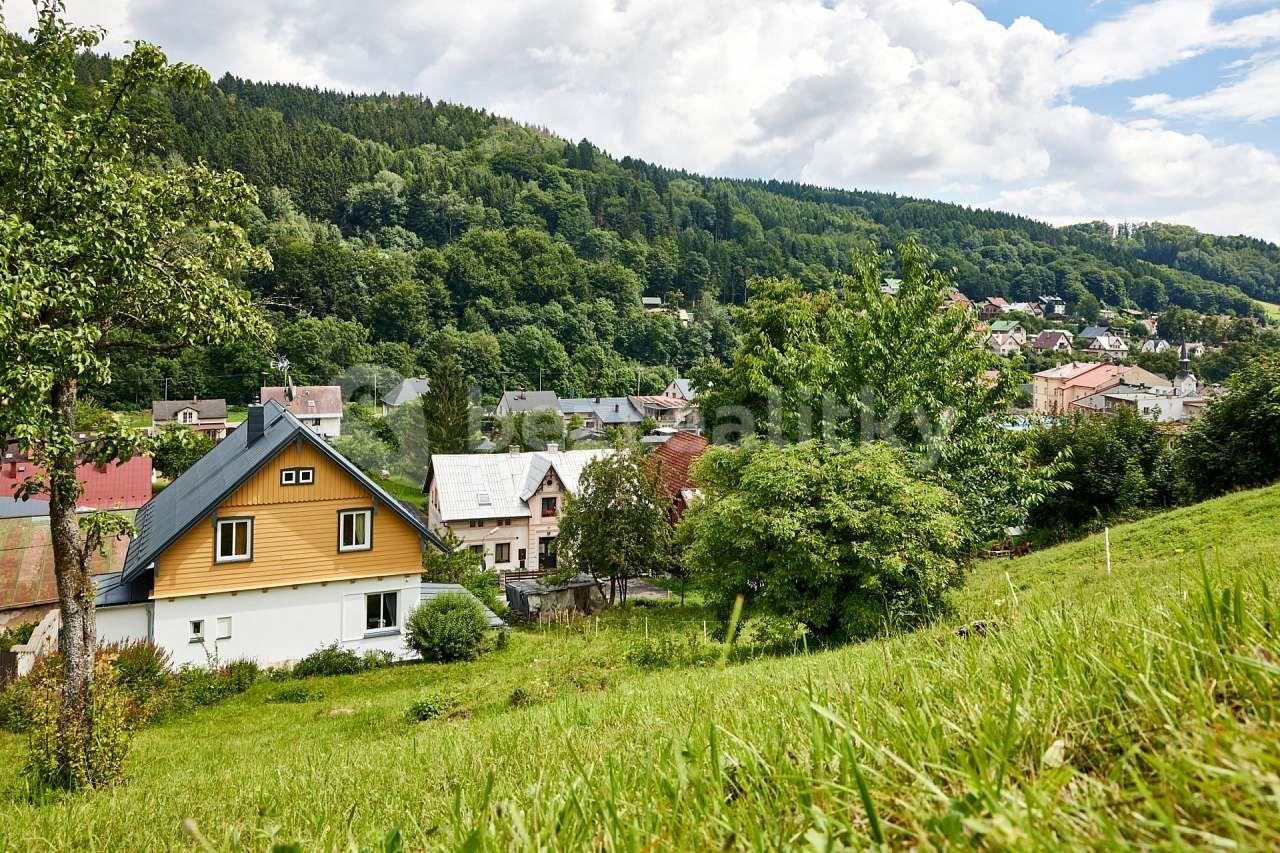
pixel 78 757
pixel 377 659
pixel 449 627
pixel 427 708
pixel 770 634
pixel 16 635
pixel 329 660
pixel 670 650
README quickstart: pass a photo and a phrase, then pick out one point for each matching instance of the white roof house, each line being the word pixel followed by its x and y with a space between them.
pixel 499 485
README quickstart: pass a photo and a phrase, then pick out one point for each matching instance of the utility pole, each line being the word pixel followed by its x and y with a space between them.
pixel 166 388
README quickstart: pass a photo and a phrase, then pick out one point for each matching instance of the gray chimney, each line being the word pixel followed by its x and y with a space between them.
pixel 553 447
pixel 255 423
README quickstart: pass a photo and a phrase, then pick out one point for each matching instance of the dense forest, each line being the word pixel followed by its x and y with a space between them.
pixel 403 229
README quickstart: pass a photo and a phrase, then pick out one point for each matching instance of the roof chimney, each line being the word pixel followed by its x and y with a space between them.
pixel 513 448
pixel 553 447
pixel 255 423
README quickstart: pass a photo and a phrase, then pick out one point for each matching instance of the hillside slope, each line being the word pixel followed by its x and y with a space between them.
pixel 1094 709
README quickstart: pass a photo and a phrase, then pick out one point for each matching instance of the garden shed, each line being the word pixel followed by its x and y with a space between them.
pixel 530 599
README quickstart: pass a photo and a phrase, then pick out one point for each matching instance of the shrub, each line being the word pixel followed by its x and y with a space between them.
pixel 329 660
pixel 141 667
pixel 295 694
pixel 16 635
pixel 670 650
pixel 770 634
pixel 448 627
pixel 79 758
pixel 427 708
pixel 377 659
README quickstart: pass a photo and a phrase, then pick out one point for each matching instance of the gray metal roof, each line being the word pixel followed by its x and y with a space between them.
pixel 1095 331
pixel 431 590
pixel 406 391
pixel 609 410
pixel 686 387
pixel 527 401
pixel 504 480
pixel 211 480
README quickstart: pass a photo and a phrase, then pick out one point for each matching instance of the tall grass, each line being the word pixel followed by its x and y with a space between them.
pixel 1141 708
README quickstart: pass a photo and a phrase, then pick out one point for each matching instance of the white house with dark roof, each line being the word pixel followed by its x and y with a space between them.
pixel 599 413
pixel 405 391
pixel 317 406
pixel 505 506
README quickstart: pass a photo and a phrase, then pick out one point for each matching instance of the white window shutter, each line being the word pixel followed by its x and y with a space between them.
pixel 353 615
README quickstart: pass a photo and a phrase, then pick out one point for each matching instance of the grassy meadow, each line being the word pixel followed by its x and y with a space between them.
pixel 1140 706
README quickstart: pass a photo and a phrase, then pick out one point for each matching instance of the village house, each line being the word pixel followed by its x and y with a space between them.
pixel 1003 344
pixel 1109 345
pixel 666 411
pixel 1155 345
pixel 1053 306
pixel 207 416
pixel 1053 340
pixel 113 486
pixel 317 406
pixel 1054 390
pixel 521 400
pixel 505 506
pixel 269 547
pixel 599 413
pixel 1012 328
pixel 1031 309
pixel 1179 402
pixel 992 307
pixel 681 389
pixel 671 461
pixel 955 298
pixel 405 391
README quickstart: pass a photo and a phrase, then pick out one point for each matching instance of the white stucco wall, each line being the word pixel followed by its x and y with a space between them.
pixel 283 623
pixel 123 623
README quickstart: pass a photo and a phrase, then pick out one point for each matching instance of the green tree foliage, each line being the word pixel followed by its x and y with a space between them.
pixel 446 409
pixel 1112 466
pixel 101 253
pixel 175 448
pixel 846 538
pixel 1236 442
pixel 458 564
pixel 858 364
pixel 616 526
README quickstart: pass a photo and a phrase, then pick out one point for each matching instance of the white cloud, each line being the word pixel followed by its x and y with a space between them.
pixel 927 97
pixel 1253 98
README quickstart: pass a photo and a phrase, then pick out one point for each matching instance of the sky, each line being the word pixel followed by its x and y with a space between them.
pixel 1065 110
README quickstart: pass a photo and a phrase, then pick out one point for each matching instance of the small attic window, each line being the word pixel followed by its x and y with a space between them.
pixel 483 499
pixel 311 404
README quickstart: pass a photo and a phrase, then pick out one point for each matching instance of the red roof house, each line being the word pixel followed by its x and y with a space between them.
pixel 672 460
pixel 125 485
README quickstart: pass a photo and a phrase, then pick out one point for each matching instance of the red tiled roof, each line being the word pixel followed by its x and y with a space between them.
pixel 672 459
pixel 26 562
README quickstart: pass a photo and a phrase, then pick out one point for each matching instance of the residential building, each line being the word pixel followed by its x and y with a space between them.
pixel 682 389
pixel 269 547
pixel 651 303
pixel 405 391
pixel 526 401
pixel 1053 306
pixel 992 307
pixel 1089 333
pixel 1012 328
pixel 667 411
pixel 1054 390
pixel 113 486
pixel 599 413
pixel 207 416
pixel 1155 345
pixel 956 298
pixel 1002 344
pixel 1109 345
pixel 1032 309
pixel 505 506
pixel 1053 340
pixel 671 461
pixel 317 406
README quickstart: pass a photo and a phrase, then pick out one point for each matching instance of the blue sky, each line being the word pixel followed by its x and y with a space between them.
pixel 1120 110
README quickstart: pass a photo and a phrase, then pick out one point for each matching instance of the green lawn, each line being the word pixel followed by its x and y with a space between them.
pixel 1094 709
pixel 1272 310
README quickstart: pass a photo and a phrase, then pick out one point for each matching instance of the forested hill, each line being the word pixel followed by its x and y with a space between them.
pixel 427 227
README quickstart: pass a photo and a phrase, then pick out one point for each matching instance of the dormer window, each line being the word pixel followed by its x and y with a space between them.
pixel 187 416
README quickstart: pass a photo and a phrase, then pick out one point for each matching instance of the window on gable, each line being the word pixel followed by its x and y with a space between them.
pixel 548 507
pixel 234 540
pixel 354 530
pixel 306 476
pixel 297 476
pixel 380 612
pixel 288 476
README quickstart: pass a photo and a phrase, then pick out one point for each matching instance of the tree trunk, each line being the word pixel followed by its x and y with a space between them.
pixel 78 637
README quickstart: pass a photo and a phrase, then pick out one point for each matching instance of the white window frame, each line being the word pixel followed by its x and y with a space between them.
pixel 195 634
pixel 288 476
pixel 368 529
pixel 306 476
pixel 218 556
pixel 395 612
